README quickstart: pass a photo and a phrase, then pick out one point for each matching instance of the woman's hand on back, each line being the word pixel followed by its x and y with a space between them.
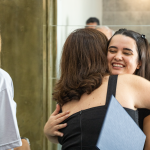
pixel 53 125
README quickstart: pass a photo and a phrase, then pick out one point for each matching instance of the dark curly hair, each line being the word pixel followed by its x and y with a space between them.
pixel 83 65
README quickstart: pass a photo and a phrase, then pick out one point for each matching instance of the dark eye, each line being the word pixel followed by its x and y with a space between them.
pixel 127 53
pixel 112 51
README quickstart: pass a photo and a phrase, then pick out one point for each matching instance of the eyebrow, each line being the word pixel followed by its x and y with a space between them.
pixel 128 49
pixel 123 48
pixel 112 47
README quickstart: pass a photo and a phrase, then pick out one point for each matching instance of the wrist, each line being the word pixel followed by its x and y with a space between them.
pixel 26 139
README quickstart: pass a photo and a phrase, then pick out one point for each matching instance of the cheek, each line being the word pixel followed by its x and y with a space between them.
pixel 109 58
pixel 132 63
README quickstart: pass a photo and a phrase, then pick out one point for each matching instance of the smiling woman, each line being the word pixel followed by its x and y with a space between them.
pixel 122 55
pixel 129 53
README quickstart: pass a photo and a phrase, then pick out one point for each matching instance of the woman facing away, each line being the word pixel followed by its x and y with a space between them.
pixel 82 89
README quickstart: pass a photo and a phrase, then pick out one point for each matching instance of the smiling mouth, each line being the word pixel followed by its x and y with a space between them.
pixel 117 65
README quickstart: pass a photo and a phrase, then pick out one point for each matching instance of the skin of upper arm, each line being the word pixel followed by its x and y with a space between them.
pixel 141 88
pixel 136 87
pixel 146 130
pixel 141 91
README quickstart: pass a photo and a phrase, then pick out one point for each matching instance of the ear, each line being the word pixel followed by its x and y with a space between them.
pixel 139 65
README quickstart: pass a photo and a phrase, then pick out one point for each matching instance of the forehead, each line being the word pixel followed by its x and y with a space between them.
pixel 122 41
pixel 91 25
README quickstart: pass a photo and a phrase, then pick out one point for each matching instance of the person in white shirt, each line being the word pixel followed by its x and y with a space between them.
pixel 9 131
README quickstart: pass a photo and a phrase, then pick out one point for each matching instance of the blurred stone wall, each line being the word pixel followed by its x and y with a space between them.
pixel 127 14
pixel 29 59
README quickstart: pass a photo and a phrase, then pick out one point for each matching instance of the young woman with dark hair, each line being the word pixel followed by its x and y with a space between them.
pixel 129 52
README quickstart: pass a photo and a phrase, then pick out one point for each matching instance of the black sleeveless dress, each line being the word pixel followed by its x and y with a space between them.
pixel 83 127
pixel 143 113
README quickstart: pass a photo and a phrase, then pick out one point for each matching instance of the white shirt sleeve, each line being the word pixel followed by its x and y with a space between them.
pixel 9 132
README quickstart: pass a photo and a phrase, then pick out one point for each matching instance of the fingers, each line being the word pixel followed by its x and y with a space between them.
pixel 63 114
pixel 56 110
pixel 59 115
pixel 58 133
pixel 60 126
pixel 61 119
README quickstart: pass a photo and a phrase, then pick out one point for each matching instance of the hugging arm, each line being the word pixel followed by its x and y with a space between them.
pixel 51 128
pixel 143 101
pixel 146 130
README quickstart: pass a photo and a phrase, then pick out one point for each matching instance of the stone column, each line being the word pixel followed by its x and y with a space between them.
pixel 27 56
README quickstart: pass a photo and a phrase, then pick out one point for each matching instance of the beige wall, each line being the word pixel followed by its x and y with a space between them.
pixel 127 12
pixel 27 57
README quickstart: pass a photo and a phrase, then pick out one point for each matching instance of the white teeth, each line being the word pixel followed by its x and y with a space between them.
pixel 117 65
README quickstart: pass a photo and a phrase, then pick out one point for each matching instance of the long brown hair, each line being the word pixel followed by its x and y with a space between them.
pixel 83 65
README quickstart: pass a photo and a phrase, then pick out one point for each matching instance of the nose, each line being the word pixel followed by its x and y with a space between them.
pixel 118 56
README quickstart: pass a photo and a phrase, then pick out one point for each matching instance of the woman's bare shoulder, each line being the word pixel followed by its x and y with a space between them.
pixel 133 80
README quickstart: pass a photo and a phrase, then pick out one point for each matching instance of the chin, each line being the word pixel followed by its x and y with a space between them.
pixel 116 72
